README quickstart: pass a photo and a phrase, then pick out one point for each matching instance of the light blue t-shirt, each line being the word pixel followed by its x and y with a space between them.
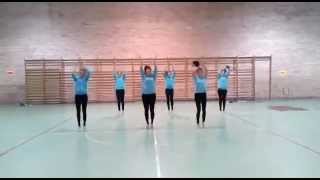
pixel 81 83
pixel 170 80
pixel 148 82
pixel 223 80
pixel 119 81
pixel 200 84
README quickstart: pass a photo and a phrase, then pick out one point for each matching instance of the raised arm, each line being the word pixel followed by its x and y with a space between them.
pixel 124 75
pixel 218 76
pixel 87 75
pixel 73 74
pixel 205 71
pixel 227 71
pixel 141 70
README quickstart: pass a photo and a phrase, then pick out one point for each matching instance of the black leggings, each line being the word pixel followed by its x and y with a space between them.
pixel 149 101
pixel 222 98
pixel 120 98
pixel 81 100
pixel 169 96
pixel 201 100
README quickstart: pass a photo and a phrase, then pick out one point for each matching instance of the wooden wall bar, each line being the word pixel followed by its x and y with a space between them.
pixel 49 81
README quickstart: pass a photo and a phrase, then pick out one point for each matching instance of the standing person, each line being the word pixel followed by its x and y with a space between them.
pixel 222 79
pixel 81 97
pixel 119 78
pixel 148 81
pixel 169 78
pixel 200 87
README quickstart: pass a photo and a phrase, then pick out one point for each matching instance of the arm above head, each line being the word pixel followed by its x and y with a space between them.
pixel 227 71
pixel 73 76
pixel 87 74
pixel 124 75
pixel 141 71
pixel 205 70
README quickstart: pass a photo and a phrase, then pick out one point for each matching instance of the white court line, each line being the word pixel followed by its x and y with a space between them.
pixel 156 154
pixel 27 140
pixel 94 140
pixel 89 138
pixel 273 133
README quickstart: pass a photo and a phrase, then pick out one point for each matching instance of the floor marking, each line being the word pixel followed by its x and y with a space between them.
pixel 94 140
pixel 33 137
pixel 156 154
pixel 277 134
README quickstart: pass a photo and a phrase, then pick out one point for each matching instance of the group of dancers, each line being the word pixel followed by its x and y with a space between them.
pixel 148 90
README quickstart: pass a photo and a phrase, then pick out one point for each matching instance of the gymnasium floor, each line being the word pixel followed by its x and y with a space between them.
pixel 248 140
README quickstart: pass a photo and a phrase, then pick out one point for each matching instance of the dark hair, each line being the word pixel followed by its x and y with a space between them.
pixel 146 67
pixel 196 63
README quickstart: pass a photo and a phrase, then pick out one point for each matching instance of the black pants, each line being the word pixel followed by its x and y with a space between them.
pixel 120 98
pixel 222 98
pixel 169 96
pixel 149 101
pixel 81 100
pixel 201 101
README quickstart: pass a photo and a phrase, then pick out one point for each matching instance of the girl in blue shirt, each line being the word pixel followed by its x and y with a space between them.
pixel 200 91
pixel 81 97
pixel 222 79
pixel 119 78
pixel 148 91
pixel 169 79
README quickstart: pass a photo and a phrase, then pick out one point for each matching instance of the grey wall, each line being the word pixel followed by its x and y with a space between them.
pixel 289 31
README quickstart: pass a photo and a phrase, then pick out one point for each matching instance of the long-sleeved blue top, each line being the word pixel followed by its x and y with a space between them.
pixel 170 80
pixel 200 84
pixel 223 79
pixel 81 83
pixel 119 80
pixel 148 81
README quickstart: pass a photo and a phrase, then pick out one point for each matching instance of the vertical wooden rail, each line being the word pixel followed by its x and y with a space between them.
pixel 216 81
pixel 61 93
pixel 237 78
pixel 99 71
pixel 133 81
pixel 270 70
pixel 43 81
pixel 186 74
pixel 26 91
pixel 254 77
